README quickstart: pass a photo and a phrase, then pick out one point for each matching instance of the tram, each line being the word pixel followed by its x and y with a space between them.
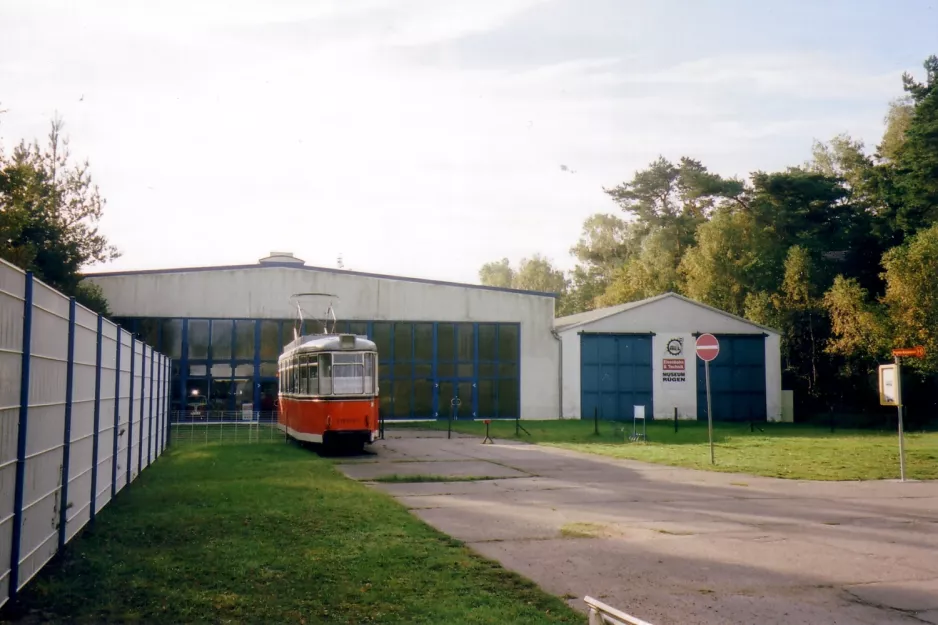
pixel 329 388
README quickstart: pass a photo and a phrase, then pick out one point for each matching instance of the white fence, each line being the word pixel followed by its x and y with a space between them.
pixel 83 409
pixel 602 614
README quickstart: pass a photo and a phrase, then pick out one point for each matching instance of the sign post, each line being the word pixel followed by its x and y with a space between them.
pixel 890 392
pixel 708 348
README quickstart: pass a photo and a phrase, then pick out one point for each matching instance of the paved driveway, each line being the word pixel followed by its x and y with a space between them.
pixel 677 546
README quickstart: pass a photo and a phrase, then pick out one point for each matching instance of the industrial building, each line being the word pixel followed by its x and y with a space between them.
pixel 224 328
pixel 642 354
pixel 499 351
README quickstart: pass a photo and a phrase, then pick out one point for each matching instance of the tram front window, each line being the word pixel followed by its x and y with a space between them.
pixel 349 374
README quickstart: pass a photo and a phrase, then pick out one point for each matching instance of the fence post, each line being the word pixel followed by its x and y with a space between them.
pixel 158 428
pixel 117 406
pixel 130 407
pixel 168 434
pixel 97 421
pixel 150 420
pixel 21 438
pixel 143 389
pixel 67 437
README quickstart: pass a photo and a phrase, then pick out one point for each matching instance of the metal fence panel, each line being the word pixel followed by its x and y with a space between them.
pixel 44 437
pixel 65 408
pixel 12 293
pixel 124 411
pixel 78 507
pixel 106 414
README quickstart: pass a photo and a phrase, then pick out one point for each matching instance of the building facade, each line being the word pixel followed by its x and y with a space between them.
pixel 492 350
pixel 643 354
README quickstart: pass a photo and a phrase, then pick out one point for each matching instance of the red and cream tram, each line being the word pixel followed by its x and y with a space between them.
pixel 329 390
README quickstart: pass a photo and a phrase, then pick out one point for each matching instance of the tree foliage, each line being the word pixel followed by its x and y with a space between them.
pixel 839 254
pixel 533 274
pixel 49 214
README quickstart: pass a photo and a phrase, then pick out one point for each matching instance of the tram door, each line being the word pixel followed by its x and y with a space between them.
pixel 454 397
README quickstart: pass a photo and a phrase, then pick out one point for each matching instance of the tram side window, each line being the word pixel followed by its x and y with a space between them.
pixel 313 385
pixel 371 381
pixel 304 373
pixel 294 375
pixel 325 374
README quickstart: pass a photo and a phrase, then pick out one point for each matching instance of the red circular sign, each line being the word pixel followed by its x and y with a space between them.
pixel 708 347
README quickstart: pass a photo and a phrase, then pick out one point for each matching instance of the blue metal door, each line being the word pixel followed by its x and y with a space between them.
pixel 737 380
pixel 615 375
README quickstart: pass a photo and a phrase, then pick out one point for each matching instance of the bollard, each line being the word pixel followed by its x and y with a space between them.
pixel 675 419
pixel 596 421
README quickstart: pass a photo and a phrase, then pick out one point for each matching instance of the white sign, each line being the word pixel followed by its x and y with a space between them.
pixel 888 386
pixel 639 412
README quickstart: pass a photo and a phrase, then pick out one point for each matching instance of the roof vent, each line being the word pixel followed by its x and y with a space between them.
pixel 282 257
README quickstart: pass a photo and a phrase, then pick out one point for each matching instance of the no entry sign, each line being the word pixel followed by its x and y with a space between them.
pixel 708 347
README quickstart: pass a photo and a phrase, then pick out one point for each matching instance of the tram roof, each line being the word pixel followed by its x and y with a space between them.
pixel 329 343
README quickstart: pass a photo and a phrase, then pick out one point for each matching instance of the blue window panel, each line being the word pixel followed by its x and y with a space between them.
pixel 615 375
pixel 737 380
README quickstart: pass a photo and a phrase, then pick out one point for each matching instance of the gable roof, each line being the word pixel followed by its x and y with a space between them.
pixel 298 267
pixel 584 318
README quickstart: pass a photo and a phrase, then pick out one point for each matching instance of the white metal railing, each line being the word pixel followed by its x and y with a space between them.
pixel 602 614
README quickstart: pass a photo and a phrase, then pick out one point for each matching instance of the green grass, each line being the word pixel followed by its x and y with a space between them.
pixel 583 530
pixel 413 479
pixel 271 533
pixel 784 450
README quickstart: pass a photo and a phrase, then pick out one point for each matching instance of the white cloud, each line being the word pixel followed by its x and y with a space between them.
pixel 216 137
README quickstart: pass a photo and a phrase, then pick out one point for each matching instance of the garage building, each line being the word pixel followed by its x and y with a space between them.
pixel 224 328
pixel 642 354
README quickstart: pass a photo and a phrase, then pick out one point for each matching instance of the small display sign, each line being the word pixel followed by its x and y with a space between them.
pixel 888 386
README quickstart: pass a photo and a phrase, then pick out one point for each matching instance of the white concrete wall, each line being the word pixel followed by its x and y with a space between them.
pixel 670 318
pixel 264 293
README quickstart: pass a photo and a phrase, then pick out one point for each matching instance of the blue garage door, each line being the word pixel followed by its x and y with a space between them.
pixel 615 375
pixel 737 380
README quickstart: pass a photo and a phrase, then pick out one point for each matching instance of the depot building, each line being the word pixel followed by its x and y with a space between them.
pixel 500 351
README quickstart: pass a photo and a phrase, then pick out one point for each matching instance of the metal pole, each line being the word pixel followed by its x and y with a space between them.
pixel 900 408
pixel 675 419
pixel 709 410
pixel 596 420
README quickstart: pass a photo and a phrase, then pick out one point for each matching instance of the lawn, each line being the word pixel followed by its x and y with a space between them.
pixel 779 450
pixel 271 533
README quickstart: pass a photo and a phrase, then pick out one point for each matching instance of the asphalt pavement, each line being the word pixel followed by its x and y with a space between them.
pixel 676 546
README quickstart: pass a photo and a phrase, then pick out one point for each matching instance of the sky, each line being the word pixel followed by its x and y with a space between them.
pixel 426 137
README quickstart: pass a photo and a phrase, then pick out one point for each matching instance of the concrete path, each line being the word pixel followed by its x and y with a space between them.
pixel 677 546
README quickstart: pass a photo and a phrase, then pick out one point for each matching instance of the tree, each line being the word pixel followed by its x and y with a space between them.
pixel 732 258
pixel 538 274
pixel 909 181
pixel 797 311
pixel 652 271
pixel 49 210
pixel 497 274
pixel 533 274
pixel 675 198
pixel 897 120
pixel 858 326
pixel 912 294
